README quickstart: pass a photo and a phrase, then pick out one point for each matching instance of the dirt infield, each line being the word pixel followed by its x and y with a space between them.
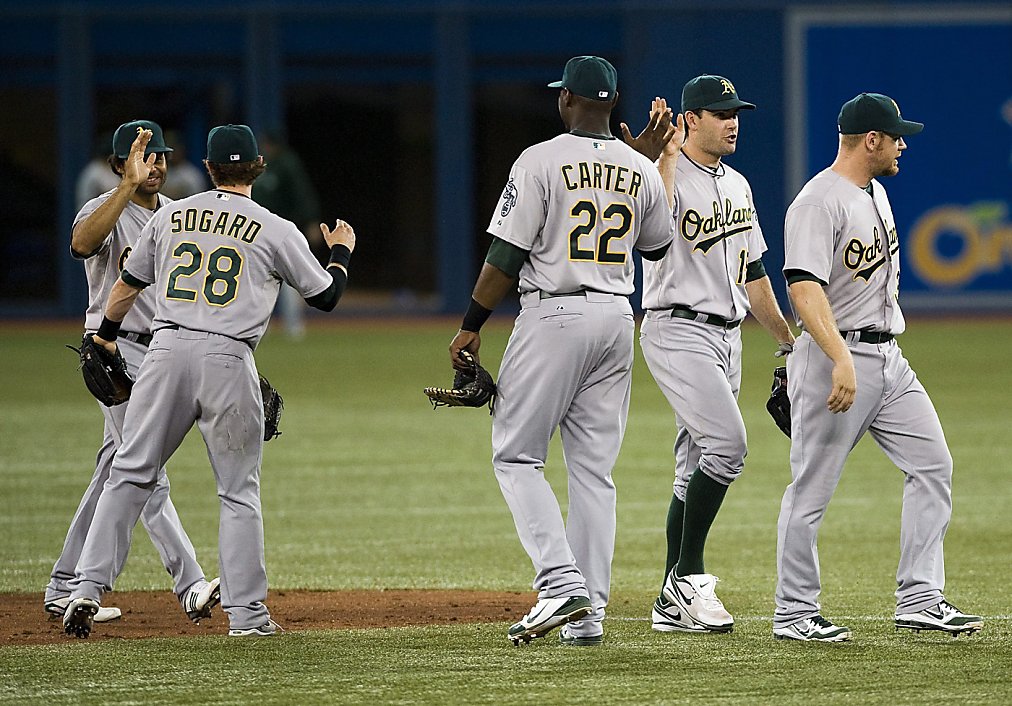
pixel 150 614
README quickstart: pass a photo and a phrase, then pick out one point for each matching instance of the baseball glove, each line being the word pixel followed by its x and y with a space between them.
pixel 273 404
pixel 473 387
pixel 779 404
pixel 105 374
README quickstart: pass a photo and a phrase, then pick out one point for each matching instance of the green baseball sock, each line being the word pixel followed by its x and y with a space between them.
pixel 676 515
pixel 702 501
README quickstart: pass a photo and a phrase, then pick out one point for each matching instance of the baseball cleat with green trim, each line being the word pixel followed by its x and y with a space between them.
pixel 814 629
pixel 548 614
pixel 942 616
pixel 568 638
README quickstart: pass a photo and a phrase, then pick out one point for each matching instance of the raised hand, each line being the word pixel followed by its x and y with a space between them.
pixel 136 168
pixel 343 234
pixel 658 133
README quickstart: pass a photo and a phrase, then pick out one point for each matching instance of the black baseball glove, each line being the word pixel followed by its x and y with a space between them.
pixel 473 387
pixel 779 404
pixel 105 374
pixel 273 404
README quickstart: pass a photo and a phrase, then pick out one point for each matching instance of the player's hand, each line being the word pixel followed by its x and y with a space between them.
pixel 673 146
pixel 657 134
pixel 343 234
pixel 841 397
pixel 464 341
pixel 136 169
pixel 108 345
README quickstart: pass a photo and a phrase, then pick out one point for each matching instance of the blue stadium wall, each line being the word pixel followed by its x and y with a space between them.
pixel 948 64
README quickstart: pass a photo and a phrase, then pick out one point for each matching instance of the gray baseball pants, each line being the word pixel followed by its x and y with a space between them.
pixel 698 368
pixel 567 366
pixel 190 376
pixel 892 405
pixel 158 516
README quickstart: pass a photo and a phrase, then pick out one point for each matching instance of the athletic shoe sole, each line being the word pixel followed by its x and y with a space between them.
pixel 954 630
pixel 579 608
pixel 81 618
pixel 57 609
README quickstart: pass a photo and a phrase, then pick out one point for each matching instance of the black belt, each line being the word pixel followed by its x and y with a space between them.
pixel 684 312
pixel 142 338
pixel 870 336
pixel 176 327
pixel 578 293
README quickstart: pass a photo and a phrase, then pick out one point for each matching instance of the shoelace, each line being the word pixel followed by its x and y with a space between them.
pixel 821 622
pixel 708 595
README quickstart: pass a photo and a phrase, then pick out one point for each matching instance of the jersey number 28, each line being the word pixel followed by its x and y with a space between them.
pixel 221 282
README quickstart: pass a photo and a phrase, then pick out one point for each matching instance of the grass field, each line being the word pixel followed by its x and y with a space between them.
pixel 370 488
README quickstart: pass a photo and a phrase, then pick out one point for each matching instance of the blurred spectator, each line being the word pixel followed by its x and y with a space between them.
pixel 97 177
pixel 286 190
pixel 185 178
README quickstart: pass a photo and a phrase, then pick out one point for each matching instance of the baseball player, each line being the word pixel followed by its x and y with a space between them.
pixel 696 297
pixel 216 260
pixel 848 376
pixel 104 233
pixel 572 211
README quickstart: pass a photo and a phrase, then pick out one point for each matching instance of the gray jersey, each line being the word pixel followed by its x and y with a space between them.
pixel 847 238
pixel 581 221
pixel 103 266
pixel 218 260
pixel 717 236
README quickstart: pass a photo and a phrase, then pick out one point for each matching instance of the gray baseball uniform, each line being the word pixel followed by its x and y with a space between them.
pixel 158 515
pixel 578 204
pixel 695 299
pixel 847 239
pixel 216 261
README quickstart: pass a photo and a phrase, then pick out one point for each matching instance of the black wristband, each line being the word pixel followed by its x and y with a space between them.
pixel 340 255
pixel 108 330
pixel 475 317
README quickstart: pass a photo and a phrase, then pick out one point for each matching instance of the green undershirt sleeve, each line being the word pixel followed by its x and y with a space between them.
pixel 754 271
pixel 802 276
pixel 506 257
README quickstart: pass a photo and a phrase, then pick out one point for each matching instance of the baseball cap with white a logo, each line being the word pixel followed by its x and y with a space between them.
pixel 230 144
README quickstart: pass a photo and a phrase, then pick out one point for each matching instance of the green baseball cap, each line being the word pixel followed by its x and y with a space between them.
pixel 708 92
pixel 231 143
pixel 590 77
pixel 127 132
pixel 874 112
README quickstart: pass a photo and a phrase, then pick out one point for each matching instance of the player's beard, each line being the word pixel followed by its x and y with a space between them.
pixel 886 166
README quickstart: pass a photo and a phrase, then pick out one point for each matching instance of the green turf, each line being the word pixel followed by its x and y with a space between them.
pixel 368 487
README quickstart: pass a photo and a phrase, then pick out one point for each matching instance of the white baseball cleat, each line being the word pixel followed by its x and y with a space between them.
pixel 200 598
pixel 814 629
pixel 694 595
pixel 942 616
pixel 547 614
pixel 79 617
pixel 268 629
pixel 668 617
pixel 57 608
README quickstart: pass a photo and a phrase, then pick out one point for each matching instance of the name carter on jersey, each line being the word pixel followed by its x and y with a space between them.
pixel 229 225
pixel 693 224
pixel 604 176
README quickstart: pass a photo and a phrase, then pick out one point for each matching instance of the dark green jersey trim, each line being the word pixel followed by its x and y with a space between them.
pixel 802 276
pixel 654 255
pixel 506 256
pixel 755 270
pixel 133 281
